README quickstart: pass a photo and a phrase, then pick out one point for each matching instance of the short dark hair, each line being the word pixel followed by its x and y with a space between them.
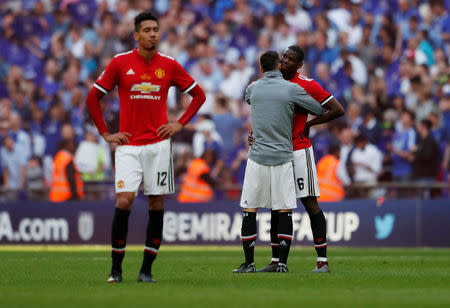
pixel 361 138
pixel 427 124
pixel 143 16
pixel 269 60
pixel 300 53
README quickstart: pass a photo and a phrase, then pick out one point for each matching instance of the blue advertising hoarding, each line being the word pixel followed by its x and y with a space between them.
pixel 349 223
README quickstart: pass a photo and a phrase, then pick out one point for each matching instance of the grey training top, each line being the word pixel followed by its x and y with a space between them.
pixel 272 101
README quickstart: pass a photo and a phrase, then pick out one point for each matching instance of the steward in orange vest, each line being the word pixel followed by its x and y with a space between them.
pixel 66 180
pixel 331 188
pixel 198 184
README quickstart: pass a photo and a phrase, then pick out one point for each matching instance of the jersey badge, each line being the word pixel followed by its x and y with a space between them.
pixel 145 87
pixel 120 184
pixel 146 77
pixel 160 73
pixel 130 72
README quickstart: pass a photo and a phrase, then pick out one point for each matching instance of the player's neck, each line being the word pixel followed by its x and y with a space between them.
pixel 147 54
pixel 289 76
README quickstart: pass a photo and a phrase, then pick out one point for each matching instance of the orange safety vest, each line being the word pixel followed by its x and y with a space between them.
pixel 60 188
pixel 331 188
pixel 194 189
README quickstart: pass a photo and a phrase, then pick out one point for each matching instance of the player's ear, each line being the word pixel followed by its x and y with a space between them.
pixel 300 65
pixel 260 69
pixel 136 36
pixel 279 66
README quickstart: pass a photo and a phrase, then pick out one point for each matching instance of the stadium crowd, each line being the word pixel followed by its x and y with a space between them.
pixel 387 61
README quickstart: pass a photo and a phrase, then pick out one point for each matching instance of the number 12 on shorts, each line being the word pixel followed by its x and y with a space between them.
pixel 300 184
pixel 162 176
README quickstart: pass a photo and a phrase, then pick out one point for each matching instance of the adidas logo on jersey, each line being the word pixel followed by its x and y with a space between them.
pixel 252 244
pixel 130 72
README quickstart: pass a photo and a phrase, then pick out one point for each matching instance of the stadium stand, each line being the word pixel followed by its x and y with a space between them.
pixel 387 61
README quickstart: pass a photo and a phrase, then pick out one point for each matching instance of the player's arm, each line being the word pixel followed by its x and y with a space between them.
pixel 333 110
pixel 248 93
pixel 106 82
pixel 305 101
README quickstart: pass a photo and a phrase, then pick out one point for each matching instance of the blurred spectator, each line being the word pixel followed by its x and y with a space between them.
pixel 403 142
pixel 425 106
pixel 426 154
pixel 354 119
pixel 90 158
pixel 198 183
pixel 364 165
pixel 226 124
pixel 66 181
pixel 238 162
pixel 21 138
pixel 296 18
pixel 330 186
pixel 13 163
pixel 34 179
pixel 370 126
pixel 206 137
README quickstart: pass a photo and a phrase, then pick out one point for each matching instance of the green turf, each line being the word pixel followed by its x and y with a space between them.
pixel 202 278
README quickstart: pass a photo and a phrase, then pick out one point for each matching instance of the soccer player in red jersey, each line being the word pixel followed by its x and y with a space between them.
pixel 305 172
pixel 144 153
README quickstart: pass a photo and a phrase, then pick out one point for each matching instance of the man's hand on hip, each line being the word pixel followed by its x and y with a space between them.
pixel 120 138
pixel 168 130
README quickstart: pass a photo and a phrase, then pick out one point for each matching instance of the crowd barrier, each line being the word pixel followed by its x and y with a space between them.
pixel 349 223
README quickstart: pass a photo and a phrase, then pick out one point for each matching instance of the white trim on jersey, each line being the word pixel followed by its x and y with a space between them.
pixel 123 53
pixel 100 88
pixel 166 56
pixel 118 249
pixel 248 237
pixel 190 87
pixel 327 100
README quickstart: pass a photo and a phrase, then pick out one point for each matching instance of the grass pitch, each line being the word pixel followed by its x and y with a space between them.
pixel 201 277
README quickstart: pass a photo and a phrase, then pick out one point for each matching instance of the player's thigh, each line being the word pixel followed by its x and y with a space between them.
pixel 158 168
pixel 282 187
pixel 128 169
pixel 305 174
pixel 256 188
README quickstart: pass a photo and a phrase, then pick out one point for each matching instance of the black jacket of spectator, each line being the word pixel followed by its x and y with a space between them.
pixel 426 158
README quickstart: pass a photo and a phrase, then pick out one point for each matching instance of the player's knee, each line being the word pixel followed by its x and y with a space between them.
pixel 156 203
pixel 124 203
pixel 311 205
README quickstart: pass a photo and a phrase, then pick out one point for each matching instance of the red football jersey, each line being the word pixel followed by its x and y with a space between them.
pixel 319 94
pixel 143 91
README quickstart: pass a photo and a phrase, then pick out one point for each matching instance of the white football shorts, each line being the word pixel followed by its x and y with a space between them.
pixel 151 163
pixel 305 171
pixel 268 186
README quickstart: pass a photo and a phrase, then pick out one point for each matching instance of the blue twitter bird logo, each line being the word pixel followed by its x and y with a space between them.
pixel 384 226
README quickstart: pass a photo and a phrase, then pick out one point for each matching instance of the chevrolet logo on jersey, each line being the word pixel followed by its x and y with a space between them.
pixel 145 87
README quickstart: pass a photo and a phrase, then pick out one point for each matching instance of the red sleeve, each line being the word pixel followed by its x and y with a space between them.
pixel 109 77
pixel 93 104
pixel 181 79
pixel 198 98
pixel 317 92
